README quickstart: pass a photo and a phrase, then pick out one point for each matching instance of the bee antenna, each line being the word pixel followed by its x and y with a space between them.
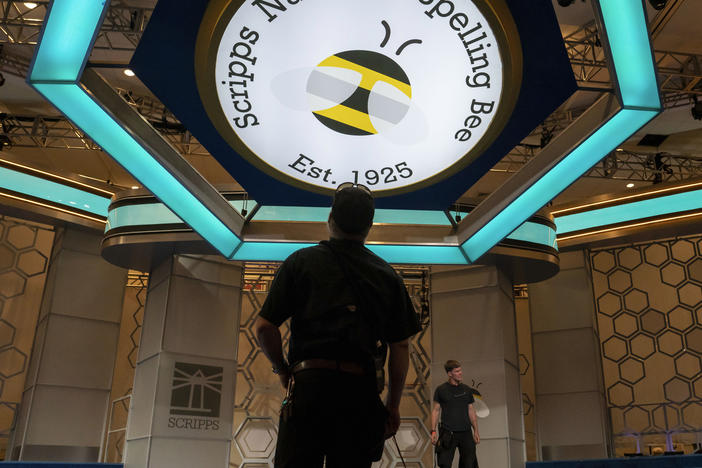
pixel 410 42
pixel 387 33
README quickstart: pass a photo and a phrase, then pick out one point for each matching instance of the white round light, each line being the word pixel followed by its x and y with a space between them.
pixel 30 5
pixel 388 94
pixel 128 72
pixel 630 185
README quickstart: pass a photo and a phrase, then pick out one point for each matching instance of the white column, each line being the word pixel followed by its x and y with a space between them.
pixel 473 322
pixel 66 396
pixel 182 403
pixel 570 402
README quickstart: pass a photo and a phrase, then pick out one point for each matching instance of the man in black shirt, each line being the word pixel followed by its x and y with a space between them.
pixel 454 400
pixel 342 301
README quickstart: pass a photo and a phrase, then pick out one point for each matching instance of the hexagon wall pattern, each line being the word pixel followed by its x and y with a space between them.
pixel 25 249
pixel 648 299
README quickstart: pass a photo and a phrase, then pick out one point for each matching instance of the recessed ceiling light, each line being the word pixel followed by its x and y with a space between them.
pixel 619 149
pixel 128 72
pixel 134 187
pixel 630 185
pixel 30 5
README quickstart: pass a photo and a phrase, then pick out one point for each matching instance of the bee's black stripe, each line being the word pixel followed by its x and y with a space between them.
pixel 376 62
pixel 340 127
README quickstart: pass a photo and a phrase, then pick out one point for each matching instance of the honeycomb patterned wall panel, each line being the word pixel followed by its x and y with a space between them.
pixel 648 299
pixel 25 249
pixel 125 365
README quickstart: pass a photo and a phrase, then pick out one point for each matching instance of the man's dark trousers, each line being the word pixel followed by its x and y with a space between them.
pixel 333 415
pixel 466 451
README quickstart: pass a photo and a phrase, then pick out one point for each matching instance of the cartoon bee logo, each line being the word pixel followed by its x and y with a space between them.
pixel 360 92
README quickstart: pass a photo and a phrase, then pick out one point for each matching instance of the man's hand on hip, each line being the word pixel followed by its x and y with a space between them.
pixel 392 424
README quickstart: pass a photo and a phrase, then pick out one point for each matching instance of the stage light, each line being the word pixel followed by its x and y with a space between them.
pixel 5 142
pixel 30 5
pixel 658 4
pixel 128 72
pixel 630 185
pixel 696 109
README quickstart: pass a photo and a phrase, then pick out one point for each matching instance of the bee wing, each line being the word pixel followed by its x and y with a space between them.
pixel 314 88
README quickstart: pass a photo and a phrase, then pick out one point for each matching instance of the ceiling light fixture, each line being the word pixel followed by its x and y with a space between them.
pixel 128 72
pixel 134 187
pixel 658 4
pixel 696 110
pixel 30 5
pixel 630 185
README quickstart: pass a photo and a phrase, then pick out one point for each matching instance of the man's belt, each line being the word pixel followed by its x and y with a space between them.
pixel 342 366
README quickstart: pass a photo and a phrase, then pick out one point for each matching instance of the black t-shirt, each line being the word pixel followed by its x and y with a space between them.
pixel 311 288
pixel 454 401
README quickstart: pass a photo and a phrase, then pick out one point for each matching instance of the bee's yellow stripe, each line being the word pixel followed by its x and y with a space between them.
pixel 369 77
pixel 350 117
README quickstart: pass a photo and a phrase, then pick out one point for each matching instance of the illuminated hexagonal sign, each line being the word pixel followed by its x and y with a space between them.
pixel 395 95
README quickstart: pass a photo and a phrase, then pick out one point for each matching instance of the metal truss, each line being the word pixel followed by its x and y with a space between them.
pixel 56 132
pixel 624 165
pixel 679 74
pixel 120 31
pixel 43 132
pixel 165 122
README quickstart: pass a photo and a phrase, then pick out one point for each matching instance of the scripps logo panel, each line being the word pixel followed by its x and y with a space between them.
pixel 395 94
pixel 196 395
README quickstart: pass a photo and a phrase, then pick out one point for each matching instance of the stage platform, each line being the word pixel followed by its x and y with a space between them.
pixel 669 461
pixel 13 464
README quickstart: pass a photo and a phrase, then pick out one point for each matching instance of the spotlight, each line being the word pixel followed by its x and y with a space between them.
pixel 565 3
pixel 30 5
pixel 5 142
pixel 630 185
pixel 696 109
pixel 128 72
pixel 658 4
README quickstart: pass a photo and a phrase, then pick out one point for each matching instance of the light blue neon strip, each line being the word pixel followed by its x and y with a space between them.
pixel 627 31
pixel 630 211
pixel 320 215
pixel 148 214
pixel 604 140
pixel 267 251
pixel 414 254
pixel 424 217
pixel 89 116
pixel 52 191
pixel 140 215
pixel 419 254
pixel 292 213
pixel 535 233
pixel 157 213
pixel 65 43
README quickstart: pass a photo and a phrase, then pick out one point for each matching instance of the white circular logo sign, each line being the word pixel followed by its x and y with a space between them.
pixel 389 94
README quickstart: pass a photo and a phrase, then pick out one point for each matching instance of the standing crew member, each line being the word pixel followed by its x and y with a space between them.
pixel 454 400
pixel 343 301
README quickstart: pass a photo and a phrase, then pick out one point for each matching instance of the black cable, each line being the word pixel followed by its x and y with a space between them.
pixel 399 451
